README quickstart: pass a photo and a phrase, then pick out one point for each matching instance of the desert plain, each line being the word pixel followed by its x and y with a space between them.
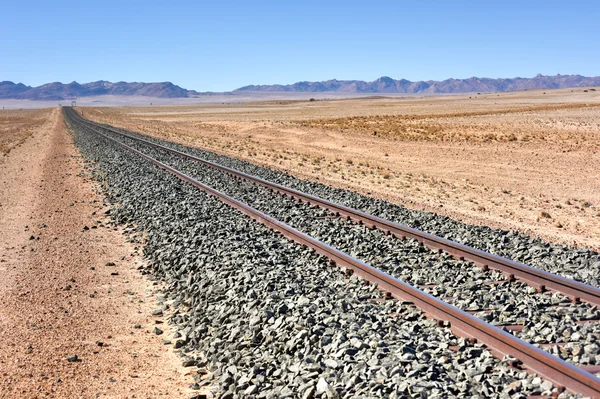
pixel 526 161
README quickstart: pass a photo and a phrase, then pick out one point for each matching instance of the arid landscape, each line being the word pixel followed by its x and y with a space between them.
pixel 299 200
pixel 526 161
pixel 79 318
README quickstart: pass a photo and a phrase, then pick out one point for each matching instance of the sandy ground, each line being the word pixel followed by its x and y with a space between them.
pixel 527 161
pixel 17 126
pixel 58 298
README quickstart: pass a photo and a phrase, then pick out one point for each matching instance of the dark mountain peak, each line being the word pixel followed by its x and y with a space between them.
pixel 385 84
pixel 8 83
pixel 11 89
pixel 61 91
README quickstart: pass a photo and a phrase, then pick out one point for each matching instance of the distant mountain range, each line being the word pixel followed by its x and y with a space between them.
pixel 60 91
pixel 384 85
pixel 388 85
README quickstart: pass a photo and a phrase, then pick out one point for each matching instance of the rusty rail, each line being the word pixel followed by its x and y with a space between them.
pixel 501 343
pixel 540 279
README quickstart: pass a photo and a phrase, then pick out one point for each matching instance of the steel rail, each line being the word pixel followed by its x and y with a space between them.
pixel 540 279
pixel 501 343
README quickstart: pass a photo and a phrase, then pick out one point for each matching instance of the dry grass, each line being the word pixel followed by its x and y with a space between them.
pixel 478 126
pixel 16 126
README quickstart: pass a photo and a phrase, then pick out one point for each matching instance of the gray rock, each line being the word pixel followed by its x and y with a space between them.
pixel 322 386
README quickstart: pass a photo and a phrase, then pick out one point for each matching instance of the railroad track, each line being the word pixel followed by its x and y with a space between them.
pixel 574 378
pixel 537 278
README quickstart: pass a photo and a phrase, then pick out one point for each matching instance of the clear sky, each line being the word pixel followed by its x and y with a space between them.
pixel 222 45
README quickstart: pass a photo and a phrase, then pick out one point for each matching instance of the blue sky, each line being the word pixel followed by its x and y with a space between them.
pixel 222 45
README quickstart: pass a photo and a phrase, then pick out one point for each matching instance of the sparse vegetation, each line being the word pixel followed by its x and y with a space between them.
pixel 457 126
pixel 16 126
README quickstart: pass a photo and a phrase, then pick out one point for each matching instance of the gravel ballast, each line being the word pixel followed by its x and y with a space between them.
pixel 546 317
pixel 580 264
pixel 268 318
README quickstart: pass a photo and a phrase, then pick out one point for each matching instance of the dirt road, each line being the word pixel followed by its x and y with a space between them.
pixel 58 297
